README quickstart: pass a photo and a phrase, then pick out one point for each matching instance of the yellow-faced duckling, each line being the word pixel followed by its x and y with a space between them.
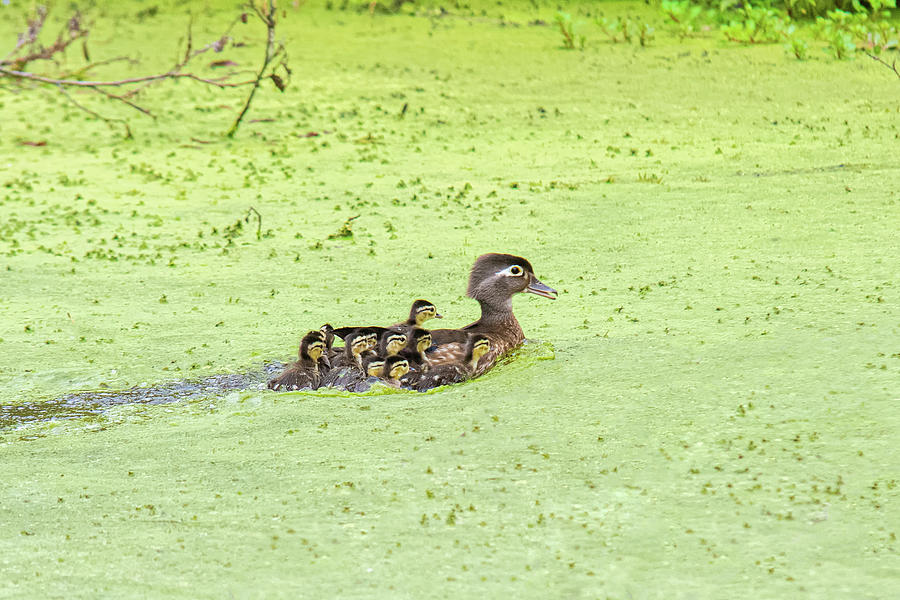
pixel 421 311
pixel 477 346
pixel 493 281
pixel 419 342
pixel 353 379
pixel 327 337
pixel 355 343
pixel 373 365
pixel 395 367
pixel 391 343
pixel 303 374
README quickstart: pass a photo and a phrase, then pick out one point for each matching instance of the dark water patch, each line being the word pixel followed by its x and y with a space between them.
pixel 96 402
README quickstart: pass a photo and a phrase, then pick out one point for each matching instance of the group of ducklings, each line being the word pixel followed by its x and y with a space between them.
pixel 394 355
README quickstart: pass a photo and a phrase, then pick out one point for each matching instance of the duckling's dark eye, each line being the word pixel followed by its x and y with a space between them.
pixel 516 270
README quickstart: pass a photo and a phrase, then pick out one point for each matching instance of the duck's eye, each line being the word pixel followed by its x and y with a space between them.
pixel 513 271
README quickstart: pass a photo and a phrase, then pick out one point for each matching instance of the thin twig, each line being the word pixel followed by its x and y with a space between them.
pixel 258 222
pixel 216 81
pixel 77 73
pixel 107 120
pixel 112 96
pixel 892 65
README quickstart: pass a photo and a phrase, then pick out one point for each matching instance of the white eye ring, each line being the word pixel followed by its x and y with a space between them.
pixel 512 271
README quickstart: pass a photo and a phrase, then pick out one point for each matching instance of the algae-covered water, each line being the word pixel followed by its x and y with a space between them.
pixel 709 410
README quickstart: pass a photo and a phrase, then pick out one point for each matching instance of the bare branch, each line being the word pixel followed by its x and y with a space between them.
pixel 892 65
pixel 70 33
pixel 108 120
pixel 216 81
pixel 112 96
pixel 28 49
pixel 273 50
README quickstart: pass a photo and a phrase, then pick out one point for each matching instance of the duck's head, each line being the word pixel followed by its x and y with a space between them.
pixel 479 345
pixel 392 342
pixel 373 365
pixel 496 277
pixel 395 367
pixel 420 339
pixel 371 334
pixel 312 346
pixel 356 343
pixel 421 311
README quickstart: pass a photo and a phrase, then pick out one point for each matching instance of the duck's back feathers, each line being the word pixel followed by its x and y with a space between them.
pixel 446 374
pixel 448 336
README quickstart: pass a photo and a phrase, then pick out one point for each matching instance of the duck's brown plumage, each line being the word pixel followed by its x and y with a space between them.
pixel 493 281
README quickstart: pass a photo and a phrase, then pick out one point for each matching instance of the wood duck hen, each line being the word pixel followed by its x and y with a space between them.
pixel 303 374
pixel 493 281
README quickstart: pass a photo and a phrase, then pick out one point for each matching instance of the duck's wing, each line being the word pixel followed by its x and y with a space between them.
pixel 453 352
pixel 441 375
pixel 449 336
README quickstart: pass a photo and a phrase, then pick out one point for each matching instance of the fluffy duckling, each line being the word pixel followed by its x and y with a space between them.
pixel 395 368
pixel 493 281
pixel 328 330
pixel 391 343
pixel 421 311
pixel 357 380
pixel 477 346
pixel 355 344
pixel 373 365
pixel 303 374
pixel 419 342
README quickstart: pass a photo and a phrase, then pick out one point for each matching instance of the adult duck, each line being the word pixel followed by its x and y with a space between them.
pixel 493 281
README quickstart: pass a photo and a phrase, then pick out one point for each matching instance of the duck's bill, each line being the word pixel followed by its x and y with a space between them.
pixel 438 316
pixel 536 287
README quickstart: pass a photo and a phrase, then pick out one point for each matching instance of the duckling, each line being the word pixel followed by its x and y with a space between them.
pixel 328 330
pixel 357 380
pixel 419 342
pixel 421 311
pixel 355 343
pixel 373 365
pixel 305 372
pixel 493 281
pixel 327 338
pixel 391 343
pixel 395 367
pixel 453 372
